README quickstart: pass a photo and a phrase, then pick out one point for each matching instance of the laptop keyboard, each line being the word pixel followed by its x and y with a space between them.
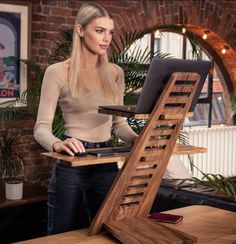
pixel 109 151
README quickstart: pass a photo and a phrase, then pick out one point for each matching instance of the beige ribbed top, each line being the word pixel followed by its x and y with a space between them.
pixel 82 120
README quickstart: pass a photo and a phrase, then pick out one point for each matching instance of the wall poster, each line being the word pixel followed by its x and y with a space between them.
pixel 15 22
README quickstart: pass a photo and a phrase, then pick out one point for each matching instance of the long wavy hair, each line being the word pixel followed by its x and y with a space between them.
pixel 88 12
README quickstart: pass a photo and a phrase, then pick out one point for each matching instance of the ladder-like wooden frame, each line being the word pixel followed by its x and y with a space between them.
pixel 124 211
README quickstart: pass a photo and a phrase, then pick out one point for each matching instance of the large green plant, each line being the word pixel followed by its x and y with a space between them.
pixel 217 182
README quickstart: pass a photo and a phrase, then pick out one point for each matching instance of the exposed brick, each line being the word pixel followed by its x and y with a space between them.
pixel 51 2
pixel 38 17
pixel 36 8
pixel 45 43
pixel 56 19
pixel 46 10
pixel 70 20
pixel 36 35
pixel 35 43
pixel 34 51
pixel 61 11
pixel 43 51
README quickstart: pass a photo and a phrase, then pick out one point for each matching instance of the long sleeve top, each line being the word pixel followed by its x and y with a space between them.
pixel 81 117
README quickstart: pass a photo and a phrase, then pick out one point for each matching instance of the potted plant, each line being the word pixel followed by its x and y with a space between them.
pixel 11 164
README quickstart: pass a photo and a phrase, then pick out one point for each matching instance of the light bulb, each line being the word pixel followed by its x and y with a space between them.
pixel 204 36
pixel 183 30
pixel 224 49
pixel 157 33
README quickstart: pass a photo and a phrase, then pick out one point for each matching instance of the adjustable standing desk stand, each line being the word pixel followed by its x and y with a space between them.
pixel 126 207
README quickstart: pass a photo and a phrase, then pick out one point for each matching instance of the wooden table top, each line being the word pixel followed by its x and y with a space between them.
pixel 208 224
pixel 92 159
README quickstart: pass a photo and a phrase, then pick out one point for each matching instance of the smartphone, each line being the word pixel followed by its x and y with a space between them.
pixel 166 218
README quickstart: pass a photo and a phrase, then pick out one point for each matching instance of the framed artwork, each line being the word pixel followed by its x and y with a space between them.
pixel 15 33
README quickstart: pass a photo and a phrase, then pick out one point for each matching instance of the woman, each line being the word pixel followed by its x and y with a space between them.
pixel 80 84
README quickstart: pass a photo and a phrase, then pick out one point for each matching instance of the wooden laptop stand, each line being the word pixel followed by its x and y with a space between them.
pixel 126 207
pixel 124 211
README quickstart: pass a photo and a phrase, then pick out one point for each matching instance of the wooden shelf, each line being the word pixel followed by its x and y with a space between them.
pixel 137 116
pixel 91 159
pixel 31 193
pixel 25 218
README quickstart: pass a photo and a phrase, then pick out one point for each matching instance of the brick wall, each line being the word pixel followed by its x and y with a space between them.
pixel 216 16
pixel 49 17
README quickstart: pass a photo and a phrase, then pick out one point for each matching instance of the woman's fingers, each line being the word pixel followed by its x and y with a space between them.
pixel 70 146
pixel 74 145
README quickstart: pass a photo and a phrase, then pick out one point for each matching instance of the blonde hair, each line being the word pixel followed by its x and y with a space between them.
pixel 88 12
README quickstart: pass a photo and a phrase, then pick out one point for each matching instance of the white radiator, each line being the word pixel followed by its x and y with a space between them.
pixel 221 150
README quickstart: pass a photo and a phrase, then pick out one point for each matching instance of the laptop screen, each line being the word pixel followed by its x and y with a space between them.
pixel 158 75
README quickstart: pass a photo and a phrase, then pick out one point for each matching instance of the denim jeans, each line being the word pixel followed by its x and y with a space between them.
pixel 71 188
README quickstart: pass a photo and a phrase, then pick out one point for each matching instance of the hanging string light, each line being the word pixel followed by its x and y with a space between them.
pixel 183 30
pixel 224 49
pixel 205 35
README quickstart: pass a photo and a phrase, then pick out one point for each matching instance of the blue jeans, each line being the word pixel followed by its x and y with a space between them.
pixel 72 188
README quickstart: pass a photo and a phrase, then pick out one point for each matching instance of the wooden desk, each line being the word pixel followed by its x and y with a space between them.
pixel 208 224
pixel 91 159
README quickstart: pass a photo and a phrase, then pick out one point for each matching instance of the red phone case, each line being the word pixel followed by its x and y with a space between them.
pixel 166 218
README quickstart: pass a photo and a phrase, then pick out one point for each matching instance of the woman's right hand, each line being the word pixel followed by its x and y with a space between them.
pixel 70 146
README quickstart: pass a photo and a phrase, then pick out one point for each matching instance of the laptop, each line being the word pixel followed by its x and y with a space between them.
pixel 158 75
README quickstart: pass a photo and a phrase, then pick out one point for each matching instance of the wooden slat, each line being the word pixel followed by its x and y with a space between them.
pixel 171 116
pixel 177 99
pixel 160 132
pixel 139 181
pixel 130 198
pixel 158 142
pixel 150 158
pixel 157 151
pixel 166 122
pixel 180 89
pixel 134 190
pixel 178 112
pixel 146 174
